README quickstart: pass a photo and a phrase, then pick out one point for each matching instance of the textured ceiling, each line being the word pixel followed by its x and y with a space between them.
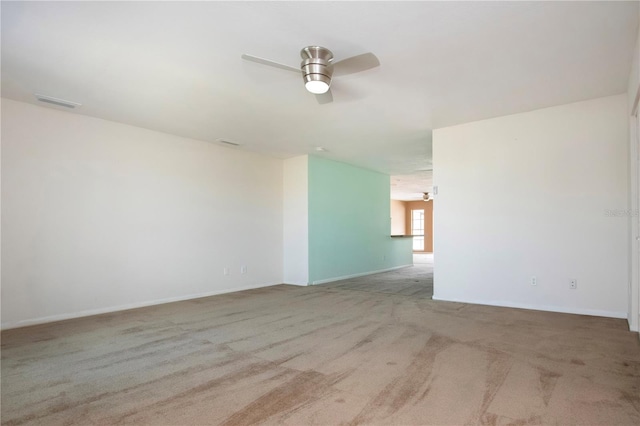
pixel 412 186
pixel 175 67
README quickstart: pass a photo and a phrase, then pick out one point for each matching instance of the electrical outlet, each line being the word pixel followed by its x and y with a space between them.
pixel 534 280
pixel 243 269
pixel 573 284
pixel 225 271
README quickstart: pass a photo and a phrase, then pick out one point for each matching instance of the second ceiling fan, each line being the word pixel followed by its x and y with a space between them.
pixel 318 68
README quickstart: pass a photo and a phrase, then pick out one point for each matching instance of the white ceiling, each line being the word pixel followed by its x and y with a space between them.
pixel 412 186
pixel 175 67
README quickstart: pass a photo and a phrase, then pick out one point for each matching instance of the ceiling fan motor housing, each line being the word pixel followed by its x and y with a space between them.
pixel 316 64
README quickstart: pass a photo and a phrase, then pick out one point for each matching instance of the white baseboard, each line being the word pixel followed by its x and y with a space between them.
pixel 560 309
pixel 362 274
pixel 632 326
pixel 90 312
pixel 298 284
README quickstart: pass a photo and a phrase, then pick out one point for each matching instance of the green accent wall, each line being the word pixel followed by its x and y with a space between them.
pixel 349 221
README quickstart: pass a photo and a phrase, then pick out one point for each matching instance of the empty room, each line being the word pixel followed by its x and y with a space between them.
pixel 320 213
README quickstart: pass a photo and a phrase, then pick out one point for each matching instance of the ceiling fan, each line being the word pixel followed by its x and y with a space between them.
pixel 318 68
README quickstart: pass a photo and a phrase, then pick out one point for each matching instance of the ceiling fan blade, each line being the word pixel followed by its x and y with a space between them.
pixel 354 64
pixel 325 98
pixel 269 63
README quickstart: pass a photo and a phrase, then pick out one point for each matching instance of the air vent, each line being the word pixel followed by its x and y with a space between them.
pixel 226 142
pixel 56 101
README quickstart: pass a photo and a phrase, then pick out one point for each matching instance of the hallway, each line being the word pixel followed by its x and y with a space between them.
pixel 413 281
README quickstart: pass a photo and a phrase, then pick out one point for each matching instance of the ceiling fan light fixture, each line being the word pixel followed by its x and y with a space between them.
pixel 317 83
pixel 317 69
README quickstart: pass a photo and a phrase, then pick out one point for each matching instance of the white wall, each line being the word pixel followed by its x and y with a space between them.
pixel 531 195
pixel 634 183
pixel 296 220
pixel 398 212
pixel 100 216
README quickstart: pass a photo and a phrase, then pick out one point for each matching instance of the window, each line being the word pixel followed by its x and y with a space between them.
pixel 417 229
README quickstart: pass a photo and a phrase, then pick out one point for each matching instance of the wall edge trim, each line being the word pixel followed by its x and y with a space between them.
pixel 296 284
pixel 361 274
pixel 91 312
pixel 546 308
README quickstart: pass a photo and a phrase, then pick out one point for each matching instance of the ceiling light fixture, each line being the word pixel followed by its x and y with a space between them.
pixel 56 101
pixel 317 83
pixel 317 69
pixel 321 149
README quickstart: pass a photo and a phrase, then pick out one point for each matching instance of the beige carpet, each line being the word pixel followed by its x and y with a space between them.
pixel 322 355
pixel 416 281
